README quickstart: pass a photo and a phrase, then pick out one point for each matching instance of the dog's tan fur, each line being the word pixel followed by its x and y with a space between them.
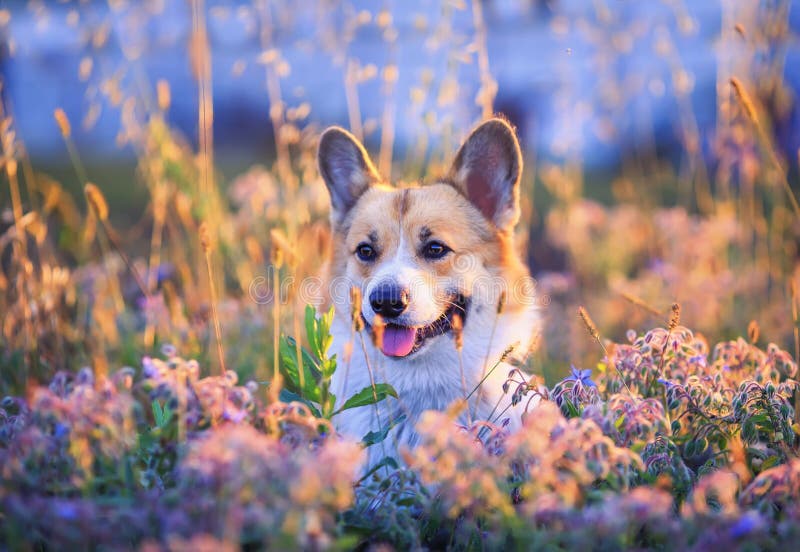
pixel 473 211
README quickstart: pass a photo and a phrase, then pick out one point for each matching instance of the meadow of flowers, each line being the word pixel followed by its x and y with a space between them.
pixel 165 386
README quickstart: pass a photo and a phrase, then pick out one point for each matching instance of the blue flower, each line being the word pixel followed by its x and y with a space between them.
pixel 584 377
pixel 66 510
pixel 746 524
pixel 60 430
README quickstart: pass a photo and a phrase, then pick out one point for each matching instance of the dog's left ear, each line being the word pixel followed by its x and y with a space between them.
pixel 487 170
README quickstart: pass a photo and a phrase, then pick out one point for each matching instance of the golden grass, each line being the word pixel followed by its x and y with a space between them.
pixel 206 244
pixel 748 105
pixel 185 197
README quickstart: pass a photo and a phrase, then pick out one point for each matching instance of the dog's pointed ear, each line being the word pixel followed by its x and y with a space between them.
pixel 487 170
pixel 346 169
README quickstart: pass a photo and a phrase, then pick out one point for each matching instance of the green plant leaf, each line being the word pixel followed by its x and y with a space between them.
pixel 573 410
pixel 385 461
pixel 289 396
pixel 318 331
pixel 326 321
pixel 374 437
pixel 161 414
pixel 328 367
pixel 770 462
pixel 368 396
pixel 158 412
pixel 289 367
pixel 312 330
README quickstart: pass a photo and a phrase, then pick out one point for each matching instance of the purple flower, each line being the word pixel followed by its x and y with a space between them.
pixel 581 376
pixel 234 415
pixel 149 368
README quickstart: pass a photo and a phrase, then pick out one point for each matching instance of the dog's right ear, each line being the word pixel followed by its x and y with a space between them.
pixel 346 169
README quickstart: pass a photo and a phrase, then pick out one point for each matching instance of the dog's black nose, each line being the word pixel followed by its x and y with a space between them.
pixel 389 301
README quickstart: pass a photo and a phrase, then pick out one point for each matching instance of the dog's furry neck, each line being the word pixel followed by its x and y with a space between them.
pixel 431 381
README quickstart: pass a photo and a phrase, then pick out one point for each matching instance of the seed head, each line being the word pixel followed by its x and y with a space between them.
pixel 276 257
pixel 63 122
pixel 281 243
pixel 377 331
pixel 355 309
pixel 458 330
pixel 205 238
pixel 501 303
pixel 11 168
pixel 508 351
pixel 587 321
pixel 675 317
pixel 96 200
pixel 753 332
pixel 744 99
pixel 163 94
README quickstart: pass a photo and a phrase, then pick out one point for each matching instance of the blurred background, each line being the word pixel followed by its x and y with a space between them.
pixel 600 80
pixel 661 142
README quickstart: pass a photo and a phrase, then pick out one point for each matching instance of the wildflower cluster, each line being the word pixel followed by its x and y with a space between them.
pixel 163 455
pixel 666 443
pixel 71 437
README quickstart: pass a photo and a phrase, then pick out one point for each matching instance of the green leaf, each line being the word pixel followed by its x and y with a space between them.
pixel 326 322
pixel 158 412
pixel 289 367
pixel 573 410
pixel 374 437
pixel 288 396
pixel 368 396
pixel 328 367
pixel 161 414
pixel 318 331
pixel 385 461
pixel 618 423
pixel 311 330
pixel 769 462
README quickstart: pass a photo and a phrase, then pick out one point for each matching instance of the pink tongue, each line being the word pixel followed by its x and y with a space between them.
pixel 398 340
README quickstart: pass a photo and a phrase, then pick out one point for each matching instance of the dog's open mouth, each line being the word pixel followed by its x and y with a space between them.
pixel 401 341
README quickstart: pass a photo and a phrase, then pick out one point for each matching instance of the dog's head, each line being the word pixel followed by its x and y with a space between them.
pixel 425 255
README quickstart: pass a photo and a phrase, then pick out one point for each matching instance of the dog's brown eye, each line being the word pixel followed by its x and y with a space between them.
pixel 435 250
pixel 365 252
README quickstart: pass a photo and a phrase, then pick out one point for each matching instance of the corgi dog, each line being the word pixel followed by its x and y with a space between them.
pixel 444 293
